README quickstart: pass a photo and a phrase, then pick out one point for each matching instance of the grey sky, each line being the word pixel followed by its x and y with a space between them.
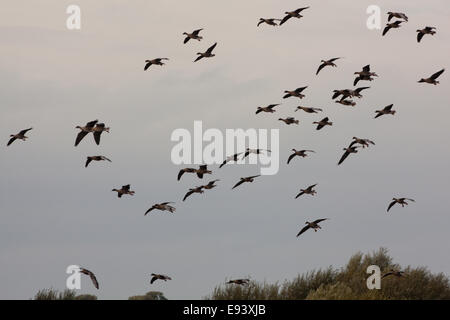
pixel 54 212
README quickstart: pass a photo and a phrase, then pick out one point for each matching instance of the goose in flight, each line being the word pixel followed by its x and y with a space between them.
pixel 432 79
pixel 254 151
pixel 310 190
pixel 395 273
pixel 91 275
pixel 194 35
pixel 247 179
pixel 159 277
pixel 312 225
pixel 327 63
pixel 322 123
pixel 211 184
pixel 98 130
pixel 165 206
pixel 295 93
pixel 347 152
pixel 365 74
pixel 157 61
pixel 192 191
pixel 233 157
pixel 95 158
pixel 289 120
pixel 346 102
pixel 393 25
pixel 293 14
pixel 424 31
pixel 269 108
pixel 270 21
pixel 363 142
pixel 397 15
pixel 402 201
pixel 20 136
pixel 386 110
pixel 124 190
pixel 207 54
pixel 348 93
pixel 240 282
pixel 308 109
pixel 299 153
pixel 89 127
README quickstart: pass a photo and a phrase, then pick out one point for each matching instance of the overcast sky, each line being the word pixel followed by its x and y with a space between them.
pixel 55 213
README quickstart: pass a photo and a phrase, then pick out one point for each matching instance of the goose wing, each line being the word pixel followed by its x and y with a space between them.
pixel 391 205
pixel 291 157
pixel 344 156
pixel 437 74
pixel 11 140
pixel 23 132
pixel 239 183
pixel 80 137
pixel 286 18
pixel 320 68
pixel 89 159
pixel 320 220
pixel 196 32
pixel 303 230
pixel 210 49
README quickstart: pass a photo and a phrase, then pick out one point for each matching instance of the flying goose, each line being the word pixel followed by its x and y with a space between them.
pixel 95 158
pixel 312 225
pixel 124 190
pixel 233 157
pixel 365 74
pixel 310 190
pixel 295 93
pixel 157 61
pixel 203 169
pixel 193 190
pixel 165 206
pixel 89 127
pixel 322 123
pixel 386 110
pixel 20 136
pixel 254 151
pixel 300 153
pixel 432 79
pixel 348 151
pixel 247 179
pixel 346 102
pixel 397 274
pixel 211 184
pixel 239 282
pixel 363 142
pixel 207 54
pixel 348 93
pixel 269 108
pixel 397 15
pixel 270 21
pixel 91 275
pixel 393 25
pixel 401 201
pixel 424 31
pixel 98 130
pixel 293 14
pixel 308 109
pixel 289 120
pixel 159 277
pixel 326 63
pixel 194 35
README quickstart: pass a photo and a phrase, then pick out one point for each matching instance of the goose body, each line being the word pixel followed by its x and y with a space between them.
pixel 292 14
pixel 348 151
pixel 298 153
pixel 363 142
pixel 424 31
pixel 207 54
pixel 194 35
pixel 192 191
pixel 269 108
pixel 326 63
pixel 322 123
pixel 289 120
pixel 310 190
pixel 159 277
pixel 432 79
pixel 397 15
pixel 311 225
pixel 233 157
pixel 95 158
pixel 386 110
pixel 247 179
pixel 402 201
pixel 308 109
pixel 124 190
pixel 390 26
pixel 164 206
pixel 295 93
pixel 269 21
pixel 240 282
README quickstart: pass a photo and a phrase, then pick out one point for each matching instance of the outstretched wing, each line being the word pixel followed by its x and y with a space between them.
pixel 80 137
pixel 154 278
pixel 320 220
pixel 196 32
pixel 89 159
pixel 386 29
pixel 303 230
pixel 148 64
pixel 210 49
pixel 320 68
pixel 300 194
pixel 239 183
pixel 291 157
pixel 437 74
pixel 344 156
pixel 355 82
pixel 286 18
pixel 180 174
pixel 391 205
pixel 24 131
pixel 11 141
pixel 188 194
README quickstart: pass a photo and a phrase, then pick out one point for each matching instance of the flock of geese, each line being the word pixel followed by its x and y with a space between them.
pixel 341 96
